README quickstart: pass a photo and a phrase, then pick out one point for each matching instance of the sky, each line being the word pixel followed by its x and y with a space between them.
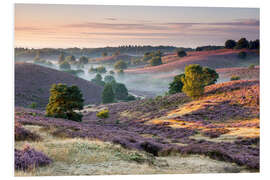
pixel 90 26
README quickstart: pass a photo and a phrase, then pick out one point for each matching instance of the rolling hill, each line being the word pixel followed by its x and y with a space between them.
pixel 33 82
pixel 223 58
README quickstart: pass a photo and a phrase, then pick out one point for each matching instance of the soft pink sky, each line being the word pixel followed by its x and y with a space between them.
pixel 62 26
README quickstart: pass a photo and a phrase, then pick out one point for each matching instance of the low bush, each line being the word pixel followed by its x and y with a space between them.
pixel 22 134
pixel 181 53
pixel 29 158
pixel 234 78
pixel 103 114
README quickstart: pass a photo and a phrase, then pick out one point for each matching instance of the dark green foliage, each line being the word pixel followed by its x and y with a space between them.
pixel 120 91
pixel 100 69
pixel 107 94
pixel 242 43
pixel 130 98
pixel 207 48
pixel 64 65
pixel 210 76
pixel 120 65
pixel 254 44
pixel 63 101
pixel 234 78
pixel 98 80
pixel 109 79
pixel 83 60
pixel 242 55
pixel 103 114
pixel 155 61
pixel 230 44
pixel 74 72
pixel 177 84
pixel 193 81
pixel 181 53
pixel 104 54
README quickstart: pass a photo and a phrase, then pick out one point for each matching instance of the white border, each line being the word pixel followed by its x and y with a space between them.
pixel 7 81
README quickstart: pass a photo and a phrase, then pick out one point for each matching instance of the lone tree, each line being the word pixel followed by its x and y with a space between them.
pixel 155 61
pixel 193 81
pixel 120 91
pixel 63 101
pixel 107 94
pixel 98 80
pixel 83 60
pixel 181 53
pixel 177 84
pixel 230 44
pixel 120 65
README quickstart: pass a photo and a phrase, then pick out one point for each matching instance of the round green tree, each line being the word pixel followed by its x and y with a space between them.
pixel 193 81
pixel 107 94
pixel 242 43
pixel 120 91
pixel 120 65
pixel 109 79
pixel 63 102
pixel 181 53
pixel 230 44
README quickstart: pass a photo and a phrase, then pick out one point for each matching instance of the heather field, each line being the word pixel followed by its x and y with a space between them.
pixel 219 132
pixel 123 90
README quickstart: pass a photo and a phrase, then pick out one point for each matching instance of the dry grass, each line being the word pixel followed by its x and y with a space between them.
pixel 75 156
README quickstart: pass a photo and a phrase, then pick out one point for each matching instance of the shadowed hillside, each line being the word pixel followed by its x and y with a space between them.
pixel 33 82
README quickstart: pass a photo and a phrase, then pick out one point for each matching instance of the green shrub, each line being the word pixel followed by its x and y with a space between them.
pixel 234 78
pixel 98 80
pixel 177 84
pixel 63 101
pixel 120 65
pixel 242 55
pixel 130 98
pixel 107 94
pixel 103 114
pixel 155 61
pixel 181 53
pixel 120 91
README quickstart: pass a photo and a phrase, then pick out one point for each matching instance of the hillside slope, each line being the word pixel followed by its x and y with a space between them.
pixel 33 82
pixel 223 124
pixel 222 58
